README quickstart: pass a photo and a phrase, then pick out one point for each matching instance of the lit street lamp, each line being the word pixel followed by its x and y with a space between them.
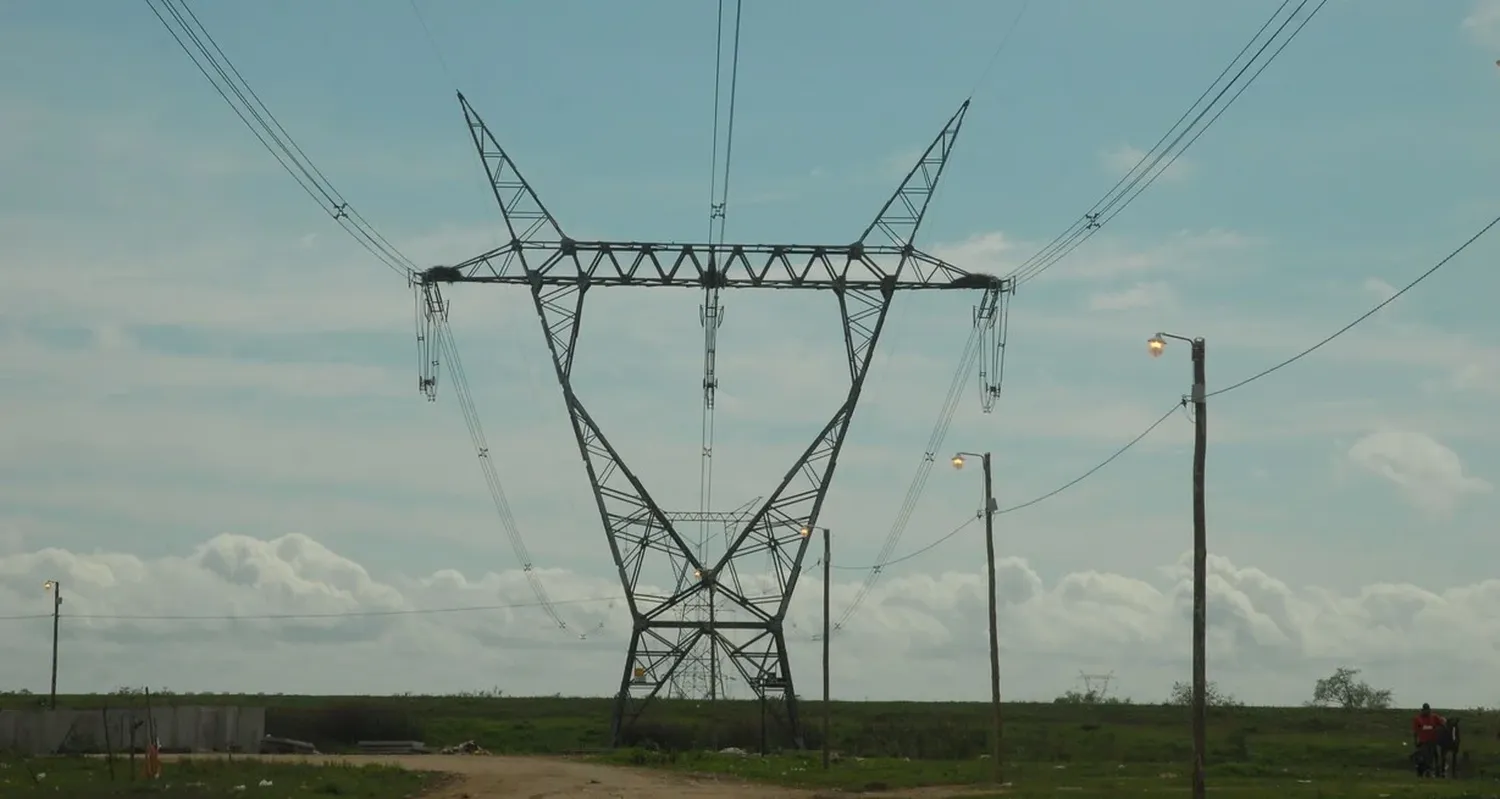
pixel 1155 345
pixel 827 573
pixel 55 588
pixel 989 548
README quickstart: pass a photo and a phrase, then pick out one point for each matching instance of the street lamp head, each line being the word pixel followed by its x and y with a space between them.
pixel 1156 344
pixel 806 531
pixel 49 585
pixel 958 461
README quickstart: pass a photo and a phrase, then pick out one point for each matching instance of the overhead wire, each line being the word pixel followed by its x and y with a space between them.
pixel 924 549
pixel 1362 317
pixel 1162 155
pixel 1176 406
pixel 718 213
pixel 968 357
pixel 302 616
pixel 313 182
pixel 439 335
pixel 1109 206
pixel 211 60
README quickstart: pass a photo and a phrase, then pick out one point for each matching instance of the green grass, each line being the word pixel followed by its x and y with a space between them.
pixel 89 778
pixel 1053 749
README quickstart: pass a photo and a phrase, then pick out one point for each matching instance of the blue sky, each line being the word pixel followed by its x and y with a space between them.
pixel 194 350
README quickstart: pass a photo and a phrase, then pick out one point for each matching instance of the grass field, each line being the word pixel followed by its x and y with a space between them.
pixel 89 778
pixel 1080 749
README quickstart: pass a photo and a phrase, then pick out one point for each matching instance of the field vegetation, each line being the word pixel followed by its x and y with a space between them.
pixel 1347 740
pixel 96 778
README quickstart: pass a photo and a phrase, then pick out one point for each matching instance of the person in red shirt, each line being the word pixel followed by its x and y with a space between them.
pixel 1425 727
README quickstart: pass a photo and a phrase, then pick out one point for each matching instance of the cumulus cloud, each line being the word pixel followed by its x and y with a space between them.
pixel 134 620
pixel 1429 474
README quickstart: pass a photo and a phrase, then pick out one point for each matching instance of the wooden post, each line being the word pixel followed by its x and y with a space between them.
pixel 1200 573
pixel 827 575
pixel 989 547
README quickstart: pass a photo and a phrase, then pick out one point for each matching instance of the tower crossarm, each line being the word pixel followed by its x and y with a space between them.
pixel 659 264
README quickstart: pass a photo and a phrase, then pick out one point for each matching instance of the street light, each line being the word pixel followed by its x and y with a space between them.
pixel 55 588
pixel 1199 399
pixel 989 548
pixel 827 573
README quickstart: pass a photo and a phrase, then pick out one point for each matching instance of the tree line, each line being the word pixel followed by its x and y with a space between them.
pixel 1341 689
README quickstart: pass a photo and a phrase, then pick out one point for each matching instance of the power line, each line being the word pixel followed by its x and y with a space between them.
pixel 436 339
pixel 1028 503
pixel 342 614
pixel 1362 317
pixel 1429 272
pixel 1159 158
pixel 211 61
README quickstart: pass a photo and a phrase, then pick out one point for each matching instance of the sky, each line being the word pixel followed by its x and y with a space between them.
pixel 208 404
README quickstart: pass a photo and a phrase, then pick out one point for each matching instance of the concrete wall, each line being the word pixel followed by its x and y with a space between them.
pixel 195 729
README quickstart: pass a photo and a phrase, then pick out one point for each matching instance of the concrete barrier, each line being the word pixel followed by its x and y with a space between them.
pixel 186 729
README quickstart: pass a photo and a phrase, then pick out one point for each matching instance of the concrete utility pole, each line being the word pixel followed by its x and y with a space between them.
pixel 1199 399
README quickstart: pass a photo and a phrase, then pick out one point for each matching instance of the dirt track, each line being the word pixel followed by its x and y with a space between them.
pixel 492 777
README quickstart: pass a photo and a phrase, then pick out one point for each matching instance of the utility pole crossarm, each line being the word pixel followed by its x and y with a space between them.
pixel 659 264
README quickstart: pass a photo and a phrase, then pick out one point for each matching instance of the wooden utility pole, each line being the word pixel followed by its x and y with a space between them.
pixel 989 548
pixel 1200 572
pixel 827 574
pixel 56 588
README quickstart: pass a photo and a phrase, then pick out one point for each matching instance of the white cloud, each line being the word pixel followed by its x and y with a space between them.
pixel 1268 640
pixel 1120 160
pixel 1427 473
pixel 229 361
pixel 1482 25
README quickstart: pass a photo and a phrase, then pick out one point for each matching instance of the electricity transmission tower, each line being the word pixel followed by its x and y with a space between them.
pixel 1096 686
pixel 662 572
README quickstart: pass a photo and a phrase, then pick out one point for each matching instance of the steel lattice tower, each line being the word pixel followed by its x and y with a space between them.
pixel 743 623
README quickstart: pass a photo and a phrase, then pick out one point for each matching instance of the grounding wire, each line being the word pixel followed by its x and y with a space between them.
pixel 313 181
pixel 1150 164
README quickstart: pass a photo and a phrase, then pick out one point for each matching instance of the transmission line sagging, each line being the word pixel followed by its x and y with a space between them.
pixel 435 341
pixel 1194 122
pixel 1177 405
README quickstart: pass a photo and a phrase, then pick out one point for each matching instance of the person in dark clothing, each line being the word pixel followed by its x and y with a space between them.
pixel 1425 728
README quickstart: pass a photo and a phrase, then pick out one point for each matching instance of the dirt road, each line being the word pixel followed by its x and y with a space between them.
pixel 492 777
